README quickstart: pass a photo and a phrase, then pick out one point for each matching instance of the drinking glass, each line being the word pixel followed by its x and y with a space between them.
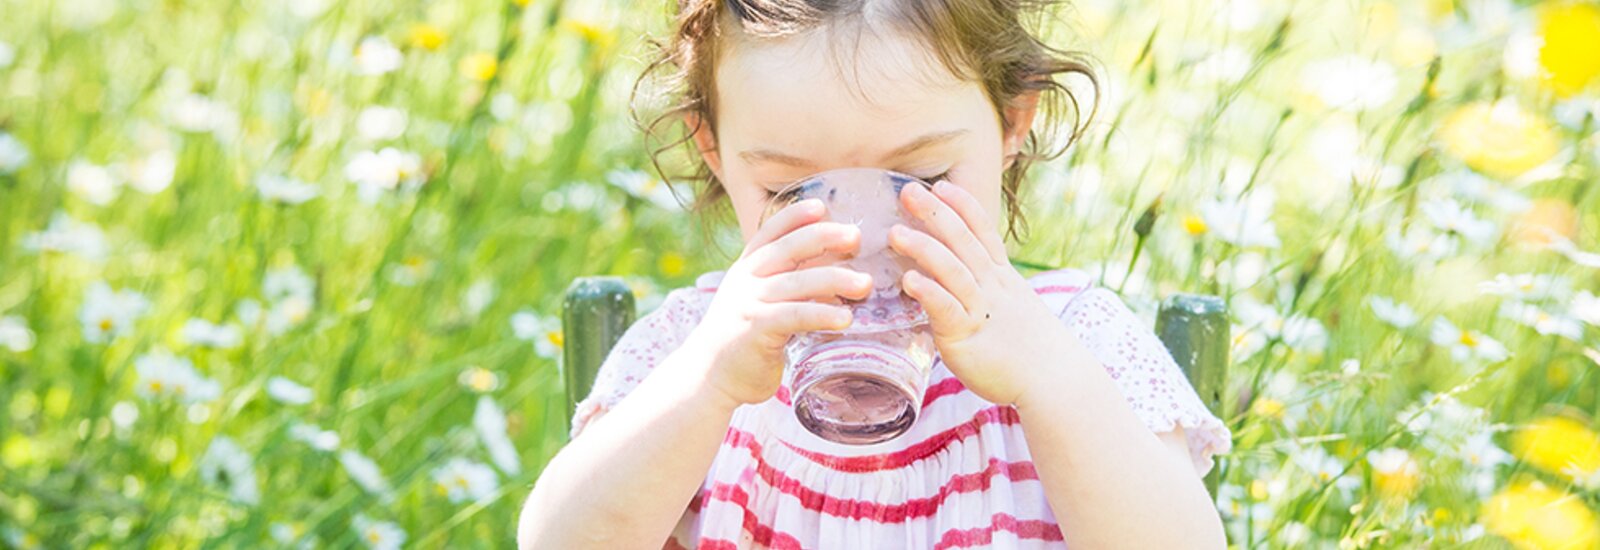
pixel 863 384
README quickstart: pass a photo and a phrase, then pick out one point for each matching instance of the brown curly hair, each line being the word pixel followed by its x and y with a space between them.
pixel 994 42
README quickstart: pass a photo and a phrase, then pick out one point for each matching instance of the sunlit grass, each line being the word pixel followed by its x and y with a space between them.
pixel 268 240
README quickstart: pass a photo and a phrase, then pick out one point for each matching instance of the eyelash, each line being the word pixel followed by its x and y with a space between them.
pixel 935 179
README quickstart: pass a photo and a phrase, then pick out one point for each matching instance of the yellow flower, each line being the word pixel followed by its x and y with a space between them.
pixel 426 36
pixel 1559 444
pixel 1195 225
pixel 1268 407
pixel 1570 54
pixel 479 379
pixel 1499 139
pixel 594 34
pixel 1394 472
pixel 479 66
pixel 671 264
pixel 1531 515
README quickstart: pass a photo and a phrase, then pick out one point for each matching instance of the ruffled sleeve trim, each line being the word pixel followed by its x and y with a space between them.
pixel 649 340
pixel 1145 371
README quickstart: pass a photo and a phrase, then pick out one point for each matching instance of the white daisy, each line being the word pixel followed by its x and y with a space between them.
pixel 379 123
pixel 1586 307
pixel 1397 314
pixel 1480 189
pixel 1420 242
pixel 205 333
pixel 1479 451
pixel 92 182
pixel 284 189
pixel 644 186
pixel 14 334
pixel 291 535
pixel 1543 321
pixel 163 376
pixel 388 169
pixel 1467 344
pixel 1243 224
pixel 227 466
pixel 1350 82
pixel 152 173
pixel 478 297
pixel 365 473
pixel 1298 331
pixel 290 293
pixel 286 282
pixel 1323 467
pixel 317 438
pixel 544 332
pixel 378 535
pixel 196 113
pixel 1393 461
pixel 1450 217
pixel 68 236
pixel 287 391
pixel 13 154
pixel 375 56
pixel 465 480
pixel 107 314
pixel 1528 286
pixel 490 423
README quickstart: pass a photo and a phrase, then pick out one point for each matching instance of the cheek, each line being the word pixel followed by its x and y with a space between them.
pixel 747 208
pixel 985 185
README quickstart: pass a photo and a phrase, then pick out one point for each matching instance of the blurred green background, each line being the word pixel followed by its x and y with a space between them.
pixel 288 273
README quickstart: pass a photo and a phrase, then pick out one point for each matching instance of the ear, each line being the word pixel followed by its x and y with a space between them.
pixel 1019 117
pixel 705 141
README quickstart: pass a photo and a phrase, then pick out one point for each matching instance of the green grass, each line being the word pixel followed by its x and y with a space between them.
pixel 514 194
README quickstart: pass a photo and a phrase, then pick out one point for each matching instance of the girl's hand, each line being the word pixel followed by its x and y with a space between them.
pixel 767 295
pixel 991 328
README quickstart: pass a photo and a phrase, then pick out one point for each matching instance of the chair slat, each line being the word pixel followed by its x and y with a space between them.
pixel 596 312
pixel 1196 330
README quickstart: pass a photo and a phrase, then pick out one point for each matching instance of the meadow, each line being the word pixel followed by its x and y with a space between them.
pixel 289 273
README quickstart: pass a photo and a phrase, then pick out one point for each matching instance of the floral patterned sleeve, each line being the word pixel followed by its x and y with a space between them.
pixel 649 340
pixel 1144 370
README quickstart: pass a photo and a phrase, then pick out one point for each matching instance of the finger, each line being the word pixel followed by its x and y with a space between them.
pixel 787 219
pixel 787 318
pixel 944 224
pixel 978 221
pixel 791 250
pixel 945 314
pixel 817 283
pixel 938 261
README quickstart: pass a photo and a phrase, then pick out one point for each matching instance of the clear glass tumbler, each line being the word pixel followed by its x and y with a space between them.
pixel 864 384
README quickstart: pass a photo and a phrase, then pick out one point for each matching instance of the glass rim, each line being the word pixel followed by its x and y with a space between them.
pixel 894 177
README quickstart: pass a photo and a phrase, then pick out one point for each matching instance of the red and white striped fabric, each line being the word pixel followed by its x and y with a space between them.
pixel 962 477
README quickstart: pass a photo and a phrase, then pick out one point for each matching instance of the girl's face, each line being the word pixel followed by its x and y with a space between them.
pixel 788 108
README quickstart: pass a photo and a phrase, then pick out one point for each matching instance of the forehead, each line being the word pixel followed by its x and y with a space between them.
pixel 835 83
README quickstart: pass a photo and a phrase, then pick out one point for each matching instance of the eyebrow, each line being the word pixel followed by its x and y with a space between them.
pixel 924 142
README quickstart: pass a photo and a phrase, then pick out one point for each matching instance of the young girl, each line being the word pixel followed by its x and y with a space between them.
pixel 1053 417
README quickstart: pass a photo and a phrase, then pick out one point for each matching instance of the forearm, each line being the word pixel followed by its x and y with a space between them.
pixel 626 480
pixel 1110 481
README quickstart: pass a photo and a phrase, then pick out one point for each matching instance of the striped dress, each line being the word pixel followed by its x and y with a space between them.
pixel 961 477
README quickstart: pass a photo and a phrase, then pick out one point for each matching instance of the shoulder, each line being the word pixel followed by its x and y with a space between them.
pixel 685 305
pixel 1060 287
